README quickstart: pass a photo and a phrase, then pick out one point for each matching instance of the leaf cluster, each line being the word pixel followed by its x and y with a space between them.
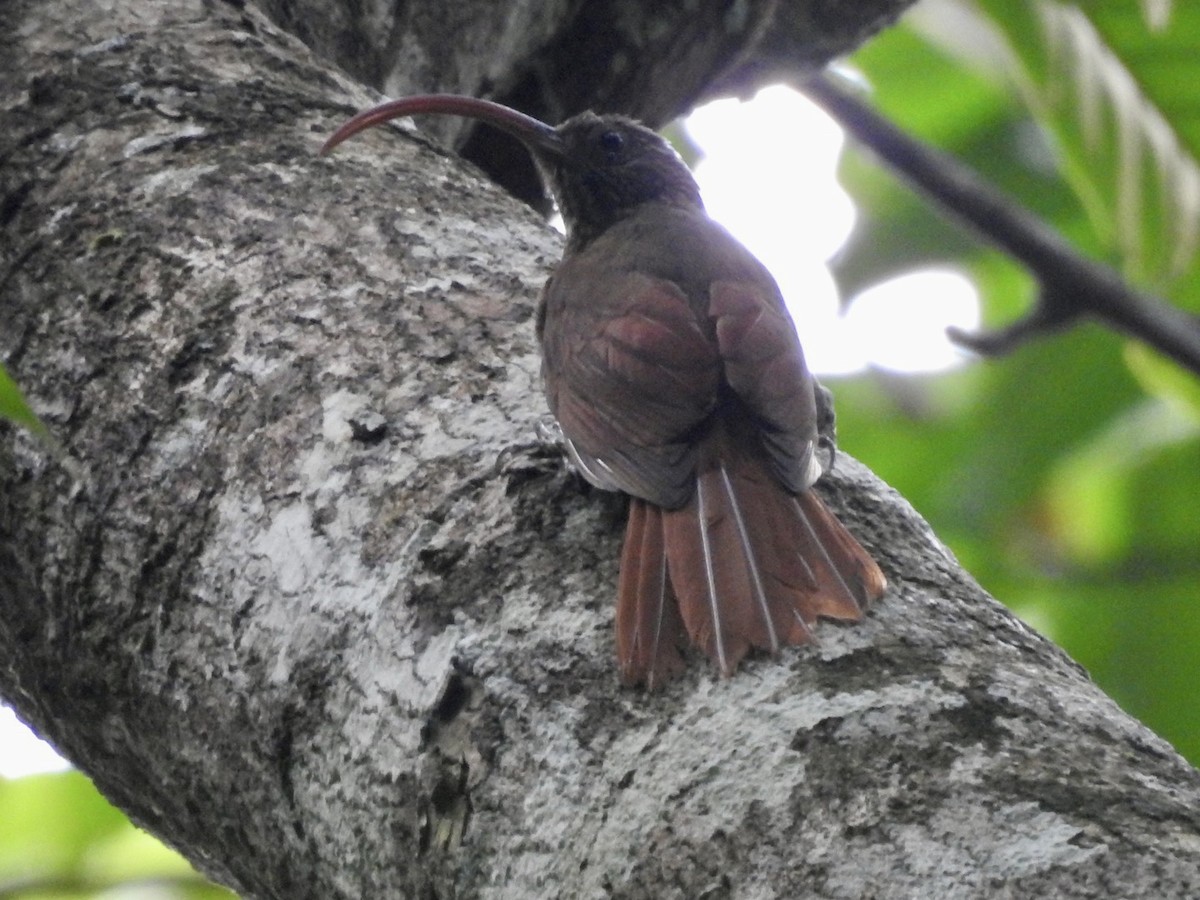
pixel 1066 475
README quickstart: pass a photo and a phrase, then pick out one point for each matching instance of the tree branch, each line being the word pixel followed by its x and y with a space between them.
pixel 653 62
pixel 316 616
pixel 1071 286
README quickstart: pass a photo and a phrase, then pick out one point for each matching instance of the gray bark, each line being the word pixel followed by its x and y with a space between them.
pixel 554 58
pixel 311 599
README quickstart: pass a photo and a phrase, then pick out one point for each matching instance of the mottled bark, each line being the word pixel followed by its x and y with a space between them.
pixel 554 58
pixel 311 599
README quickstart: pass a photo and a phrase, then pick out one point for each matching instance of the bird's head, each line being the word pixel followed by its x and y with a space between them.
pixel 600 169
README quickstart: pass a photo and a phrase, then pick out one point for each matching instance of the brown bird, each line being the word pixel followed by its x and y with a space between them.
pixel 674 369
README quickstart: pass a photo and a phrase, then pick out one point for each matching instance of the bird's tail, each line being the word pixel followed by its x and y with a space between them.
pixel 746 563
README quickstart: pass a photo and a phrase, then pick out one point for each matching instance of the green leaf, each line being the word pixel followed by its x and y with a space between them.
pixel 934 95
pixel 13 406
pixel 1096 495
pixel 1166 379
pixel 50 822
pixel 1157 13
pixel 1116 84
pixel 60 838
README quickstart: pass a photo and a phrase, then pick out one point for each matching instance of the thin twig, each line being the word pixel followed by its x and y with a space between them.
pixel 1071 286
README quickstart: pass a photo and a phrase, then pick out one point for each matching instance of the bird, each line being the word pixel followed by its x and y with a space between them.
pixel 677 377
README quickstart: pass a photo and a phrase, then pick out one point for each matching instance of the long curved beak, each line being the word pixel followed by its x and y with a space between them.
pixel 535 134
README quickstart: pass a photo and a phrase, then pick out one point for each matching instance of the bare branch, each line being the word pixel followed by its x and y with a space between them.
pixel 1072 286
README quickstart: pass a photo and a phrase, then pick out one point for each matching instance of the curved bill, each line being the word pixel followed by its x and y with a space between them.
pixel 535 134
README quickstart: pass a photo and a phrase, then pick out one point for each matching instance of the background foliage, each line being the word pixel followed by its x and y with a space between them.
pixel 13 406
pixel 1066 477
pixel 60 840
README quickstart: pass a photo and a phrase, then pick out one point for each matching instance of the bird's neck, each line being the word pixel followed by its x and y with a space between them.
pixel 582 232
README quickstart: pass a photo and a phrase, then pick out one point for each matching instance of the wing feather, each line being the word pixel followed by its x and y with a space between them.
pixel 631 374
pixel 763 363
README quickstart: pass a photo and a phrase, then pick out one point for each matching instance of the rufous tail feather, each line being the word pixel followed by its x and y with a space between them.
pixel 745 564
pixel 649 630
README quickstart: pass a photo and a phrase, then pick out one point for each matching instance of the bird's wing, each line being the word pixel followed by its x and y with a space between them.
pixel 763 363
pixel 630 375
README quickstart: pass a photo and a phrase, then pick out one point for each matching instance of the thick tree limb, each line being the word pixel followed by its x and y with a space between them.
pixel 1071 286
pixel 555 58
pixel 324 614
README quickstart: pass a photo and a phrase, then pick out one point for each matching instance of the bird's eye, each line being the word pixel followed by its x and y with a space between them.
pixel 611 143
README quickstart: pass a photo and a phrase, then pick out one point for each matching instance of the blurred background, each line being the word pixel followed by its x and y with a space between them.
pixel 1066 476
